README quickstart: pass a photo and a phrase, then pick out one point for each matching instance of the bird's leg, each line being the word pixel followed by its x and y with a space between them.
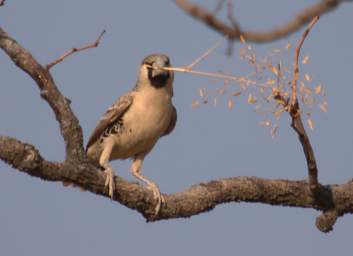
pixel 136 171
pixel 104 161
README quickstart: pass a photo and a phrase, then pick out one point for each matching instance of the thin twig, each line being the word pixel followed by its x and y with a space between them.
pixel 209 74
pixel 204 55
pixel 294 100
pixel 230 15
pixel 297 123
pixel 73 50
pixel 218 7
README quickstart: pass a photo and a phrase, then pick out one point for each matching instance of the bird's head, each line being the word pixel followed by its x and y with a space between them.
pixel 151 70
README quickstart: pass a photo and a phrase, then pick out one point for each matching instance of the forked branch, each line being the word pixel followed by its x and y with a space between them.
pixel 73 50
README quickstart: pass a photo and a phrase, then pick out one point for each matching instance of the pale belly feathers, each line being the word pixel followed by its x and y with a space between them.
pixel 145 121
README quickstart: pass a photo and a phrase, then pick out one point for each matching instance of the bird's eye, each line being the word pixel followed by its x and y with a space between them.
pixel 167 62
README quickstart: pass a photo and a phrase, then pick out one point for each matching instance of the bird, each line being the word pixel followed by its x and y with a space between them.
pixel 131 127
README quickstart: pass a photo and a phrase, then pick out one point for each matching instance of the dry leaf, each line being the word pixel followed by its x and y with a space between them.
pixel 318 89
pixel 324 107
pixel 305 60
pixel 275 91
pixel 265 122
pixel 251 99
pixel 270 82
pixel 195 103
pixel 242 39
pixel 288 46
pixel 307 77
pixel 274 131
pixel 230 103
pixel 310 123
pixel 252 59
pixel 236 93
pixel 275 70
pixel 201 93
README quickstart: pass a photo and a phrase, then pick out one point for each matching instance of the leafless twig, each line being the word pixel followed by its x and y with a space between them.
pixel 204 55
pixel 294 100
pixel 73 50
pixel 230 15
pixel 297 123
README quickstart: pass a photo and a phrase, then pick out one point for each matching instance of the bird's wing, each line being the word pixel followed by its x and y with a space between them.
pixel 113 114
pixel 172 122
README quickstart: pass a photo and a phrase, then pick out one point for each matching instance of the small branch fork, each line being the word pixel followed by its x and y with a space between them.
pixel 74 50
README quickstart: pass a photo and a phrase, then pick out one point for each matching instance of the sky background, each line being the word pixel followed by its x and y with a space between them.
pixel 209 142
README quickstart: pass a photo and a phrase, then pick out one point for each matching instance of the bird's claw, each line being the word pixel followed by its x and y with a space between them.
pixel 158 197
pixel 109 182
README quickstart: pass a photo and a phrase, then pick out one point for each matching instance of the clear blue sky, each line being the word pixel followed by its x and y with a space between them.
pixel 42 218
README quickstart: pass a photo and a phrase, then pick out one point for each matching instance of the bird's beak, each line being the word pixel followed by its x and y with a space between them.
pixel 158 70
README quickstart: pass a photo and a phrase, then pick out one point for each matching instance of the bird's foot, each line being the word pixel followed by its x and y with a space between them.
pixel 158 197
pixel 109 182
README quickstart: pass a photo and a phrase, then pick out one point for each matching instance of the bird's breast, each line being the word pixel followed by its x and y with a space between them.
pixel 145 121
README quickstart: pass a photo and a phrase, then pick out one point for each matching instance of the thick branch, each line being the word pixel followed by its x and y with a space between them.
pixel 233 32
pixel 69 125
pixel 197 199
pixel 297 125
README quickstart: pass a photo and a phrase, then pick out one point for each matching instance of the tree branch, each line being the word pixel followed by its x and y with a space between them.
pixel 195 200
pixel 233 32
pixel 73 50
pixel 297 123
pixel 69 125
